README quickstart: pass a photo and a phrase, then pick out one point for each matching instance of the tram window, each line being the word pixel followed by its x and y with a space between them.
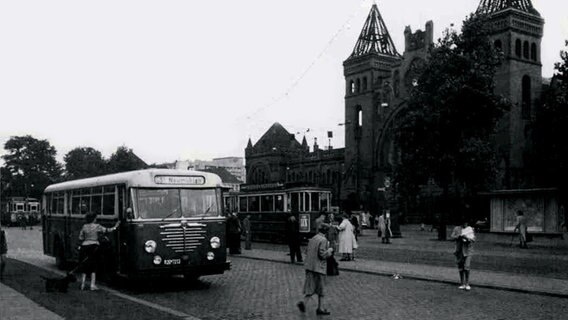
pixel 19 207
pixel 243 204
pixel 315 201
pixel 279 203
pixel 323 202
pixel 108 204
pixel 96 204
pixel 295 201
pixel 267 203
pixel 253 204
pixel 60 203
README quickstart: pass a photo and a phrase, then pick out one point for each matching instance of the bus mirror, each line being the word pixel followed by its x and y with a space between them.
pixel 129 213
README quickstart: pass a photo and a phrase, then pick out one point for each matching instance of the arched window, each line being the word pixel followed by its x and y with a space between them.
pixel 498 45
pixel 358 85
pixel 364 83
pixel 533 52
pixel 359 116
pixel 518 48
pixel 351 87
pixel 526 98
pixel 526 50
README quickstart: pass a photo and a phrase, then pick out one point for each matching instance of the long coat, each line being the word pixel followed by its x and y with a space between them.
pixel 317 254
pixel 347 240
pixel 293 231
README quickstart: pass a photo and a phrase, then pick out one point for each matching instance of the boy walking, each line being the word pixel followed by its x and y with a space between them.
pixel 464 237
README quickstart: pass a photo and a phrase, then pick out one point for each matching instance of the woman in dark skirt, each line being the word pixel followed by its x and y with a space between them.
pixel 89 253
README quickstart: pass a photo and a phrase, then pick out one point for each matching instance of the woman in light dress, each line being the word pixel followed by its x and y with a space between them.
pixel 347 240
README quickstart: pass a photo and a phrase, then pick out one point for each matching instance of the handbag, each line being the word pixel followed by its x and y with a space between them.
pixel 332 267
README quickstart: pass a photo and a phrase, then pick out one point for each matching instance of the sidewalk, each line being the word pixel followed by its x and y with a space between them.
pixel 15 306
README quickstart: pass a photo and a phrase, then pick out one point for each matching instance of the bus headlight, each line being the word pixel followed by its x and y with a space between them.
pixel 157 260
pixel 210 255
pixel 150 246
pixel 215 242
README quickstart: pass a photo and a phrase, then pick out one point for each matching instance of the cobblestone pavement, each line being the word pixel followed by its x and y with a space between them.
pixel 256 289
pixel 269 290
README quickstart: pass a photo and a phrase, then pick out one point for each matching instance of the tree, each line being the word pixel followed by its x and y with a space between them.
pixel 447 132
pixel 84 162
pixel 125 160
pixel 31 165
pixel 550 159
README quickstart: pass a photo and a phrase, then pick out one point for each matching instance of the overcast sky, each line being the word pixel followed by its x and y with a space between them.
pixel 176 80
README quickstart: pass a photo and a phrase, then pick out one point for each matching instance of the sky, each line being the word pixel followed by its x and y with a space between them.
pixel 177 80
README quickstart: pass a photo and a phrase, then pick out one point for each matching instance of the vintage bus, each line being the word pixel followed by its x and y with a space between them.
pixel 172 222
pixel 16 209
pixel 269 205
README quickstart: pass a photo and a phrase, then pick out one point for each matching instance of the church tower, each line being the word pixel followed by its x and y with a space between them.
pixel 517 32
pixel 366 70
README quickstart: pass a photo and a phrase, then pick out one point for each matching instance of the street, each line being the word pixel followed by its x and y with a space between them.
pixel 256 289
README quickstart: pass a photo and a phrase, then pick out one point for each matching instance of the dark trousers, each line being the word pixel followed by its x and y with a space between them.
pixel 234 243
pixel 295 252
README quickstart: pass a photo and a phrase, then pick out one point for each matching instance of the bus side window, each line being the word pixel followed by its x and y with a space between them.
pixel 121 203
pixel 109 201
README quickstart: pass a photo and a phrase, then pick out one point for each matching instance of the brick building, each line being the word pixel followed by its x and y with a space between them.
pixel 277 157
pixel 378 79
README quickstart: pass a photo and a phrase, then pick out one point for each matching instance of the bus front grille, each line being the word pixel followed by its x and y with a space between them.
pixel 181 237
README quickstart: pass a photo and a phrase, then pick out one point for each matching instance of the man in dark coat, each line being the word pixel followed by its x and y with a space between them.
pixel 234 234
pixel 3 251
pixel 293 238
pixel 247 232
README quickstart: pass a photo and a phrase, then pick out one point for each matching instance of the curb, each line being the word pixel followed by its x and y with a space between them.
pixel 412 277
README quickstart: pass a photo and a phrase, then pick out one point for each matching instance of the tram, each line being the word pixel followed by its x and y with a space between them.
pixel 18 210
pixel 172 222
pixel 269 205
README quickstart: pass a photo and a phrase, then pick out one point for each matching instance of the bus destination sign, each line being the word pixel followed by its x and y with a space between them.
pixel 180 180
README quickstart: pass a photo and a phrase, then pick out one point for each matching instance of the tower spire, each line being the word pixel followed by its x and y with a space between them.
pixel 492 6
pixel 374 37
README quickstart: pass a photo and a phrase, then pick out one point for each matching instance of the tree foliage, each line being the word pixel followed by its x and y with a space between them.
pixel 84 162
pixel 551 149
pixel 31 166
pixel 446 134
pixel 124 160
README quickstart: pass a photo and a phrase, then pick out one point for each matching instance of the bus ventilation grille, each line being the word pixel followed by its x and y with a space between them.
pixel 182 239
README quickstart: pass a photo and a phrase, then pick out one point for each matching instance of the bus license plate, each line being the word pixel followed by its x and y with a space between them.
pixel 172 261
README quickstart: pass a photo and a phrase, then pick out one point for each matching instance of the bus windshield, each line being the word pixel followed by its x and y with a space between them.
pixel 176 203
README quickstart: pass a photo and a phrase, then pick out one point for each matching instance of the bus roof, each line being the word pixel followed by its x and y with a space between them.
pixel 143 178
